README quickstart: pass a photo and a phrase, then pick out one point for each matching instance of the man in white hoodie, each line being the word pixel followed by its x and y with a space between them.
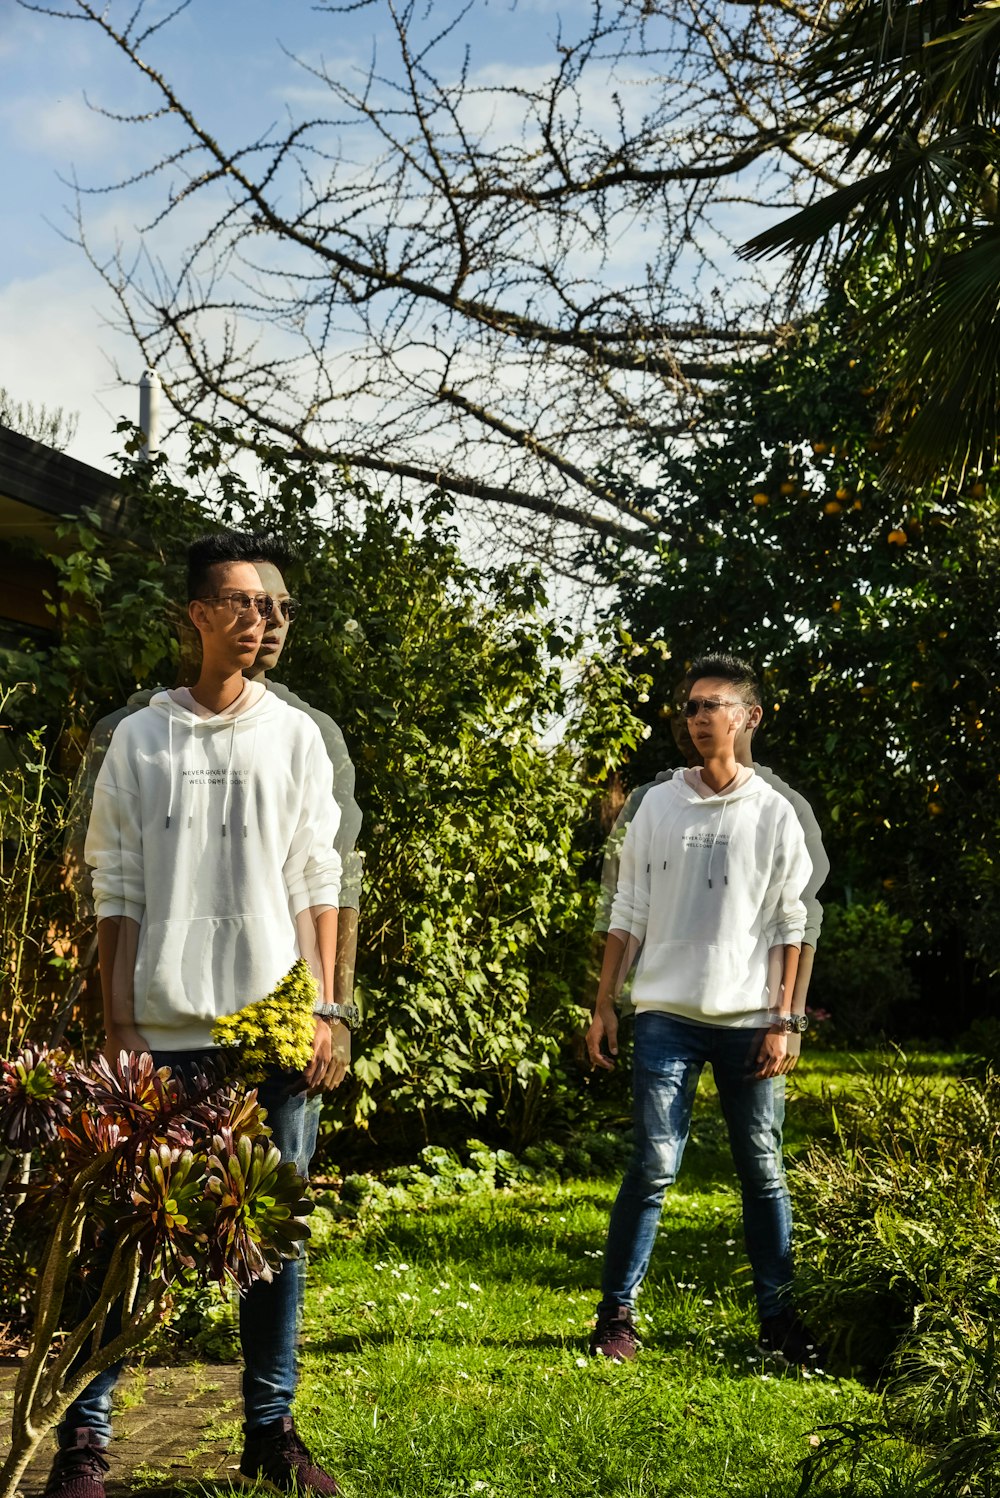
pixel 744 748
pixel 709 897
pixel 212 844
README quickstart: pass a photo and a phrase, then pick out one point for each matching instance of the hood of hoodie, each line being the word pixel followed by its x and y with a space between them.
pixel 677 782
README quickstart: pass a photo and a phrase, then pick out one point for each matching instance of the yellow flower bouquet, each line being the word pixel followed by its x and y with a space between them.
pixel 273 1032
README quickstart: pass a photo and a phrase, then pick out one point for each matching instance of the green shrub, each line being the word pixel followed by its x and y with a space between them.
pixel 860 976
pixel 895 1208
pixel 446 679
pixel 898 1217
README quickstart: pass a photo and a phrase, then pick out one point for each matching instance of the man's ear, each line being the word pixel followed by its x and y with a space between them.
pixel 198 614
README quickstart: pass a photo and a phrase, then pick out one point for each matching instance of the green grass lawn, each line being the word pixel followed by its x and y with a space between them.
pixel 445 1354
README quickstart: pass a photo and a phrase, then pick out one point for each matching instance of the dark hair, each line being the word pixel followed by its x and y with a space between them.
pixel 233 546
pixel 727 668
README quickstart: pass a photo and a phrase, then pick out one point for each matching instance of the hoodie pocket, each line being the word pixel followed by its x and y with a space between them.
pixel 201 968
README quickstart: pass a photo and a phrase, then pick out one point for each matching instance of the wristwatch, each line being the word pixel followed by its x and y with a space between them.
pixel 348 1014
pixel 791 1024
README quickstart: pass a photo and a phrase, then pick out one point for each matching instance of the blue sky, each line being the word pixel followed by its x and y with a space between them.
pixel 225 58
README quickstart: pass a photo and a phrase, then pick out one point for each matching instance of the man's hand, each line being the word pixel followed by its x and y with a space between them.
pixel 603 1028
pixel 778 1054
pixel 331 1057
pixel 122 1038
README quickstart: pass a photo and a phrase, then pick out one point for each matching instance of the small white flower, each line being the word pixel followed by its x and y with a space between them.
pixel 350 625
pixel 643 697
pixel 463 1375
pixel 581 1362
pixel 404 1296
pixel 646 732
pixel 474 1286
pixel 463 1305
pixel 404 1266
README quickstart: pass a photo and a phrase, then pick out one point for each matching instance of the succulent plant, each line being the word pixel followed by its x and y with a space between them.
pixel 173 1177
pixel 35 1097
pixel 259 1211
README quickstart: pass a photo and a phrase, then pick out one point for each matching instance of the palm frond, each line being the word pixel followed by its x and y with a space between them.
pixel 882 56
pixel 922 194
pixel 948 373
pixel 963 66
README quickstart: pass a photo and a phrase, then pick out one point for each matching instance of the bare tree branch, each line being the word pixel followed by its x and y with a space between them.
pixel 508 290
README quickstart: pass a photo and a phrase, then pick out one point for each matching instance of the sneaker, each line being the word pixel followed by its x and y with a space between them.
pixel 786 1341
pixel 275 1457
pixel 615 1336
pixel 79 1468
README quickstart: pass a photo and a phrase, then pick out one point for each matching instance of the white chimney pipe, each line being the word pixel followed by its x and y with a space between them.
pixel 149 412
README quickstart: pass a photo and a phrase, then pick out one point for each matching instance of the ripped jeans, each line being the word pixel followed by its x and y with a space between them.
pixel 668 1057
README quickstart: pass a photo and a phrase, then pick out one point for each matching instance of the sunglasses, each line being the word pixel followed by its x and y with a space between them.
pixel 695 705
pixel 241 604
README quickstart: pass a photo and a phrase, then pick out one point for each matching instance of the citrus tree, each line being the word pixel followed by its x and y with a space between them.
pixel 873 618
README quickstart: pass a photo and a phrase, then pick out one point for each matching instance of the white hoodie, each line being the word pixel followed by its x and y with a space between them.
pixel 710 884
pixel 214 834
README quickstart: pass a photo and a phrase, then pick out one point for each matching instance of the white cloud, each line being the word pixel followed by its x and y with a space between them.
pixel 56 350
pixel 64 128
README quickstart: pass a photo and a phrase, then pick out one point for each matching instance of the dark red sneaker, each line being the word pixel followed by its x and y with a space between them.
pixel 787 1342
pixel 615 1336
pixel 79 1468
pixel 275 1457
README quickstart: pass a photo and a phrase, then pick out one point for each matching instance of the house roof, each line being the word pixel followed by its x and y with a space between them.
pixel 38 486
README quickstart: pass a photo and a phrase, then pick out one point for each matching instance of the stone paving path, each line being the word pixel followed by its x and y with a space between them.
pixel 174 1427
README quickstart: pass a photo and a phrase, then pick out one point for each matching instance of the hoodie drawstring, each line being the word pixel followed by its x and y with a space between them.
pixel 229 776
pixel 227 796
pixel 711 856
pixel 170 757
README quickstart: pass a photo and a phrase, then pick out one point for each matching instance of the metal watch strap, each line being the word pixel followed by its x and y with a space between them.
pixel 792 1024
pixel 348 1014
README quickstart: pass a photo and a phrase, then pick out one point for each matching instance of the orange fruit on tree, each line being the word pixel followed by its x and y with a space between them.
pixel 896 538
pixel 760 499
pixel 843 493
pixel 832 507
pixel 788 487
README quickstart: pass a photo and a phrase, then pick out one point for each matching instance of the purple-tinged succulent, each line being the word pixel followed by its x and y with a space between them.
pixel 171 1214
pixel 180 1173
pixel 35 1097
pixel 259 1211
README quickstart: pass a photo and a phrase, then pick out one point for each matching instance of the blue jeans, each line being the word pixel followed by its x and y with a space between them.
pixel 269 1313
pixel 668 1056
